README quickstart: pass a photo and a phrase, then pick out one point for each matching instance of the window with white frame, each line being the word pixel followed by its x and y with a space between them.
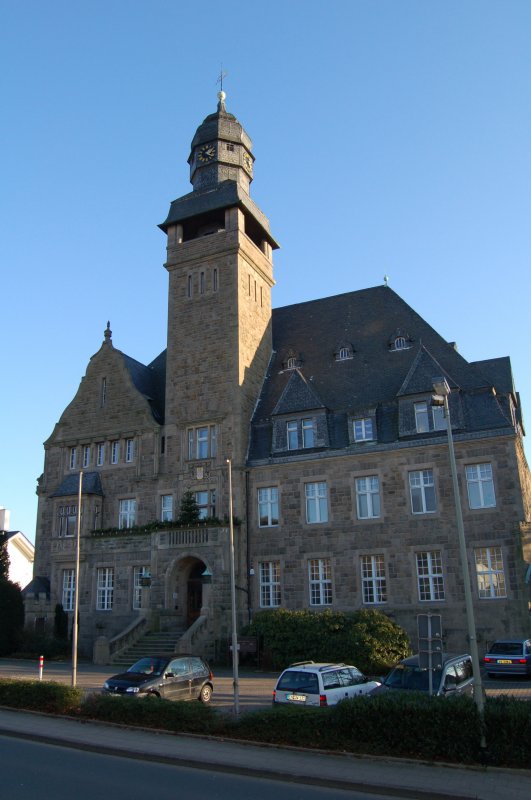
pixel 129 450
pixel 139 573
pixel 490 572
pixel 368 497
pixel 480 486
pixel 308 433
pixel 69 589
pixel 202 442
pixel 291 363
pixel 73 458
pixel 343 354
pixel 292 435
pixel 100 453
pixel 430 579
pixel 67 519
pixel 268 506
pixel 320 581
pixel 86 455
pixel 316 502
pixel 422 490
pixel 166 507
pixel 127 513
pixel 206 503
pixel 363 429
pixel 373 581
pixel 422 418
pixel 400 343
pixel 115 452
pixel 104 588
pixel 270 584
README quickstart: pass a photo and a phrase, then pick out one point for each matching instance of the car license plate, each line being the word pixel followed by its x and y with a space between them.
pixel 296 698
pixel 504 661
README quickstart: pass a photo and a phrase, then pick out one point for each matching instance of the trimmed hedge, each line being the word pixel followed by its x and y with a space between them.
pixel 400 725
pixel 369 639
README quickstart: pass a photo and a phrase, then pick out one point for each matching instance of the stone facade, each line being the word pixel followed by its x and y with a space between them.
pixel 323 410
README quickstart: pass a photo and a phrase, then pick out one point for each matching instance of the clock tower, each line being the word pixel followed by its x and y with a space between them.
pixel 219 261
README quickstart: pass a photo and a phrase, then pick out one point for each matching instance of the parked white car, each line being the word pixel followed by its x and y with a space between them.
pixel 313 684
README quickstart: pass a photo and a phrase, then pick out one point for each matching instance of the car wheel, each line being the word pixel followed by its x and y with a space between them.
pixel 205 695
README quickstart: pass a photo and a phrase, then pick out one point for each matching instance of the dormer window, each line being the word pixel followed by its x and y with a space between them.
pixel 399 340
pixel 400 343
pixel 363 429
pixel 343 353
pixel 291 363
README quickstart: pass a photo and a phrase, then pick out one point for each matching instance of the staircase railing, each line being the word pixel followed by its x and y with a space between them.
pixel 128 636
pixel 190 637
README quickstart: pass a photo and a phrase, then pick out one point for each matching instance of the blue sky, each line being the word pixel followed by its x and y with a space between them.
pixel 391 137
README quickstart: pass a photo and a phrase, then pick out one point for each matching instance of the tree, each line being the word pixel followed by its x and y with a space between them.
pixel 11 616
pixel 189 514
pixel 4 557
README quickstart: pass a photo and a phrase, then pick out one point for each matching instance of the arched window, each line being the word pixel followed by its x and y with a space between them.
pixel 400 343
pixel 291 362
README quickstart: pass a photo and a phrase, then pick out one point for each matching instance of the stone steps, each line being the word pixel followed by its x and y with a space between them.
pixel 151 644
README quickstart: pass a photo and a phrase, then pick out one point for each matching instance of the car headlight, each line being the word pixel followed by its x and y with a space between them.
pixel 106 686
pixel 132 689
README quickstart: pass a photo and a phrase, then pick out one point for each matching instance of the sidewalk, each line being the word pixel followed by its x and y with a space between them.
pixel 406 779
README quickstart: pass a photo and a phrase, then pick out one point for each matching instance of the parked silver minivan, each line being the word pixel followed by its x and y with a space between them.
pixel 455 676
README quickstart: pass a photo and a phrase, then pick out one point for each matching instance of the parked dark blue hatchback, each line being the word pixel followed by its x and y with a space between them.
pixel 508 657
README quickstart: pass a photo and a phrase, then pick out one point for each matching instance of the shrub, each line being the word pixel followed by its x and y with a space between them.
pixel 508 731
pixel 368 639
pixel 54 698
pixel 33 645
pixel 11 616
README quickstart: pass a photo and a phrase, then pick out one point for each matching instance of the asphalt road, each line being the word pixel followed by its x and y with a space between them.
pixel 255 688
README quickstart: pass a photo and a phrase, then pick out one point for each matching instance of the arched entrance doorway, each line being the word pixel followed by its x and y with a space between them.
pixel 194 592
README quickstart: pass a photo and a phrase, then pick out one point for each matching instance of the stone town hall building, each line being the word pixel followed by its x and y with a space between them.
pixel 340 469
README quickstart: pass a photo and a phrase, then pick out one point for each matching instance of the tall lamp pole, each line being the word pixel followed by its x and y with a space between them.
pixel 235 679
pixel 442 390
pixel 76 582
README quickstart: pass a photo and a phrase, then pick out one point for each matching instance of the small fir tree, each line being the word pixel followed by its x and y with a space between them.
pixel 189 513
pixel 4 557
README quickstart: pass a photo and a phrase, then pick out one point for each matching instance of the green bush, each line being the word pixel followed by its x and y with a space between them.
pixel 508 731
pixel 368 639
pixel 154 712
pixel 33 645
pixel 11 616
pixel 54 698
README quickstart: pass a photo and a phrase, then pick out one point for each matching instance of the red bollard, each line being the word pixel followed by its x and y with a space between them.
pixel 41 666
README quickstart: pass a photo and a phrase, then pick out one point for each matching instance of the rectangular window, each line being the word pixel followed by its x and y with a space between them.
pixel 73 457
pixel 86 455
pixel 69 588
pixel 189 286
pixel 268 507
pixel 166 508
pixel 291 435
pixel 129 450
pixel 422 490
pixel 202 283
pixel 430 578
pixel 422 418
pixel 320 579
pixel 373 581
pixel 115 452
pixel 480 486
pixel 67 520
pixel 202 442
pixel 270 584
pixel 100 453
pixel 127 513
pixel 490 572
pixel 316 502
pixel 206 502
pixel 363 431
pixel 138 574
pixel 368 497
pixel 103 396
pixel 104 588
pixel 215 280
pixel 308 433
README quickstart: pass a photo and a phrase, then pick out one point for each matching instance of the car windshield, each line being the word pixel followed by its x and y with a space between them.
pixel 507 648
pixel 148 666
pixel 295 681
pixel 408 676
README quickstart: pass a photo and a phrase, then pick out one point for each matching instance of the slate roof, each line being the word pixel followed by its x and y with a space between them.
pixel 376 374
pixel 70 485
pixel 38 585
pixel 150 381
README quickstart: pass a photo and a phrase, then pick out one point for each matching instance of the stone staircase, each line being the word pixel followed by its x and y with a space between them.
pixel 151 644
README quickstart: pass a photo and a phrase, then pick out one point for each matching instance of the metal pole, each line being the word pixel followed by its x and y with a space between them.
pixel 236 685
pixel 469 606
pixel 76 582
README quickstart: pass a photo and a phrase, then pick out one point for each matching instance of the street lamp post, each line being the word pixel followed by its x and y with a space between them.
pixel 76 581
pixel 442 390
pixel 235 678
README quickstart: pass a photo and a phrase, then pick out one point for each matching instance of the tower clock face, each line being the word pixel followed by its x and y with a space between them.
pixel 206 153
pixel 248 162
